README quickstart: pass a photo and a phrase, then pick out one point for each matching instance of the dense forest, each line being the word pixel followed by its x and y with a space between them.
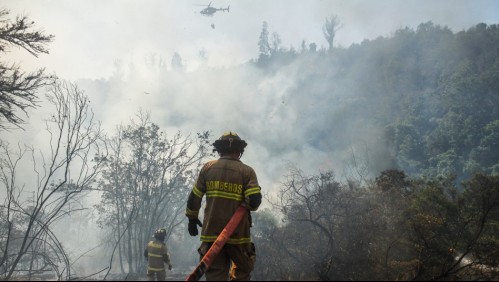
pixel 435 216
pixel 420 201
pixel 434 93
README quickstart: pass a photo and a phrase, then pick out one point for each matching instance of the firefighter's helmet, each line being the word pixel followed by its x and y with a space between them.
pixel 160 234
pixel 229 142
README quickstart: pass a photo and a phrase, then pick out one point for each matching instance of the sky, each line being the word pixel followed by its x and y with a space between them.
pixel 91 35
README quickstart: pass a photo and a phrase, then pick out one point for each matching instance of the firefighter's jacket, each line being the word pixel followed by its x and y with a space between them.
pixel 157 255
pixel 226 182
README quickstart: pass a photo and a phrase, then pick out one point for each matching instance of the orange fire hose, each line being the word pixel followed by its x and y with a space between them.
pixel 217 246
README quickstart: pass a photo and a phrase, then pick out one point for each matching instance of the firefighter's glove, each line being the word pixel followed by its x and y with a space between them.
pixel 253 202
pixel 170 267
pixel 193 226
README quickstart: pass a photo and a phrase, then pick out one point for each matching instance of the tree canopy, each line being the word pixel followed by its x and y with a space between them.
pixel 18 89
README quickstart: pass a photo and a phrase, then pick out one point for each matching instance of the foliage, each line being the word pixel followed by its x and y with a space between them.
pixel 17 88
pixel 145 184
pixel 395 228
pixel 432 91
pixel 60 176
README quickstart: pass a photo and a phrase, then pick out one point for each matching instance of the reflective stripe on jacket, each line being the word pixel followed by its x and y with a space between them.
pixel 157 255
pixel 226 182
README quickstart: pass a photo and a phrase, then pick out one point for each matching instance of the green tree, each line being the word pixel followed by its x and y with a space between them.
pixel 453 233
pixel 482 211
pixel 390 254
pixel 274 262
pixel 487 153
pixel 18 88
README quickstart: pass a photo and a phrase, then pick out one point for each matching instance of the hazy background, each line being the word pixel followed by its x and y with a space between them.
pixel 92 35
pixel 120 53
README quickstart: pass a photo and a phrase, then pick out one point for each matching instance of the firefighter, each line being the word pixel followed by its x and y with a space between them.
pixel 156 254
pixel 226 182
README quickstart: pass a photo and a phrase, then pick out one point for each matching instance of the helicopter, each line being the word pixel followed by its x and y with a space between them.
pixel 209 10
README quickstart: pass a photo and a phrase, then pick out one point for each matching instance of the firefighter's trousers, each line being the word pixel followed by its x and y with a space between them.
pixel 156 275
pixel 235 262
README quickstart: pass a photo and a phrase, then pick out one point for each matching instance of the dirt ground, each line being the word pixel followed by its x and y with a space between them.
pixel 111 277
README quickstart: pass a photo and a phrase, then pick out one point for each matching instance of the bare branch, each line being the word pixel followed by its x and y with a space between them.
pixel 66 175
